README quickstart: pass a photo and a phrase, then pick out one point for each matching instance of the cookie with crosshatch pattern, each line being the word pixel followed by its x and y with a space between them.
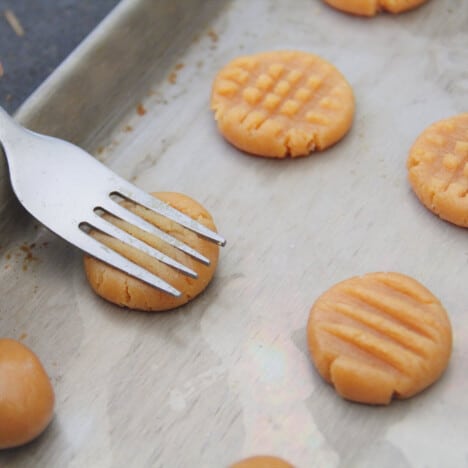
pixel 282 103
pixel 438 168
pixel 379 336
pixel 372 7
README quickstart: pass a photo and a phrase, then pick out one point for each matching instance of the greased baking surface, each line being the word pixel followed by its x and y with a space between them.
pixel 235 368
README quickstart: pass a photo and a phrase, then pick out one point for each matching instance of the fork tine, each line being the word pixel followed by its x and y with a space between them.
pixel 123 213
pixel 108 228
pixel 96 249
pixel 137 195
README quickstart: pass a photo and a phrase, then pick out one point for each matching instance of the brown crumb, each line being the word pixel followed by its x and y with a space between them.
pixel 8 256
pixel 23 336
pixel 128 128
pixel 29 257
pixel 100 150
pixel 14 22
pixel 45 244
pixel 172 78
pixel 6 266
pixel 2 71
pixel 140 109
pixel 213 36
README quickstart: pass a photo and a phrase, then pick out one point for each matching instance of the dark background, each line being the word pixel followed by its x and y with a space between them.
pixel 52 29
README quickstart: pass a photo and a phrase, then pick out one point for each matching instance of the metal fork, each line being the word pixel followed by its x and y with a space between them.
pixel 66 189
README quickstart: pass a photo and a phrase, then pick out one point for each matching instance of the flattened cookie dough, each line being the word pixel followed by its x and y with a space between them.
pixel 378 337
pixel 438 169
pixel 282 103
pixel 262 461
pixel 372 7
pixel 124 290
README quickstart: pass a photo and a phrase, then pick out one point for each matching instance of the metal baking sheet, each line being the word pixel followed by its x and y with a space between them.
pixel 228 375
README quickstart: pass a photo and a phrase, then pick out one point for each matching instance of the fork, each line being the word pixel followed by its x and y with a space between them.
pixel 67 190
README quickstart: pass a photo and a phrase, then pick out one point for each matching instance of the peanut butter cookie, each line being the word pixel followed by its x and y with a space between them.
pixel 124 290
pixel 26 395
pixel 372 7
pixel 438 169
pixel 262 461
pixel 282 103
pixel 378 337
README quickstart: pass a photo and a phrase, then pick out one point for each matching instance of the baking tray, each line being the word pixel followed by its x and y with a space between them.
pixel 229 375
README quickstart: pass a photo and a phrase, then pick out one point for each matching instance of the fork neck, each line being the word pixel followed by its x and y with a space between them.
pixel 8 127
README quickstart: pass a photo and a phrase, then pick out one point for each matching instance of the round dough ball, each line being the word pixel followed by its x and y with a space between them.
pixel 262 461
pixel 26 395
pixel 282 103
pixel 378 337
pixel 119 288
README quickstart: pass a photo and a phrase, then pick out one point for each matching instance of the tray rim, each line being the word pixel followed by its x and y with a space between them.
pixel 39 97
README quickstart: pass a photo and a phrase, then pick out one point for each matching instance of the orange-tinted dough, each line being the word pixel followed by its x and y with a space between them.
pixel 282 103
pixel 26 395
pixel 438 169
pixel 378 337
pixel 124 290
pixel 372 7
pixel 262 461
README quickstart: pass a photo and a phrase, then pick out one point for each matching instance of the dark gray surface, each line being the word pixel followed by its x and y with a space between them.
pixel 53 28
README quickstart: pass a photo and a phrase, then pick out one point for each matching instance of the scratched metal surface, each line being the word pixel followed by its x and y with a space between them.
pixel 229 375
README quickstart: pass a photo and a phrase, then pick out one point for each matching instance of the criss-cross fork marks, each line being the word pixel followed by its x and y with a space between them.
pixel 304 90
pixel 282 103
pixel 438 168
pixel 440 157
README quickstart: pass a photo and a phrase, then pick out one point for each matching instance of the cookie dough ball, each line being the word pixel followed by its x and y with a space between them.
pixel 378 337
pixel 262 461
pixel 438 169
pixel 124 290
pixel 372 7
pixel 282 103
pixel 26 395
